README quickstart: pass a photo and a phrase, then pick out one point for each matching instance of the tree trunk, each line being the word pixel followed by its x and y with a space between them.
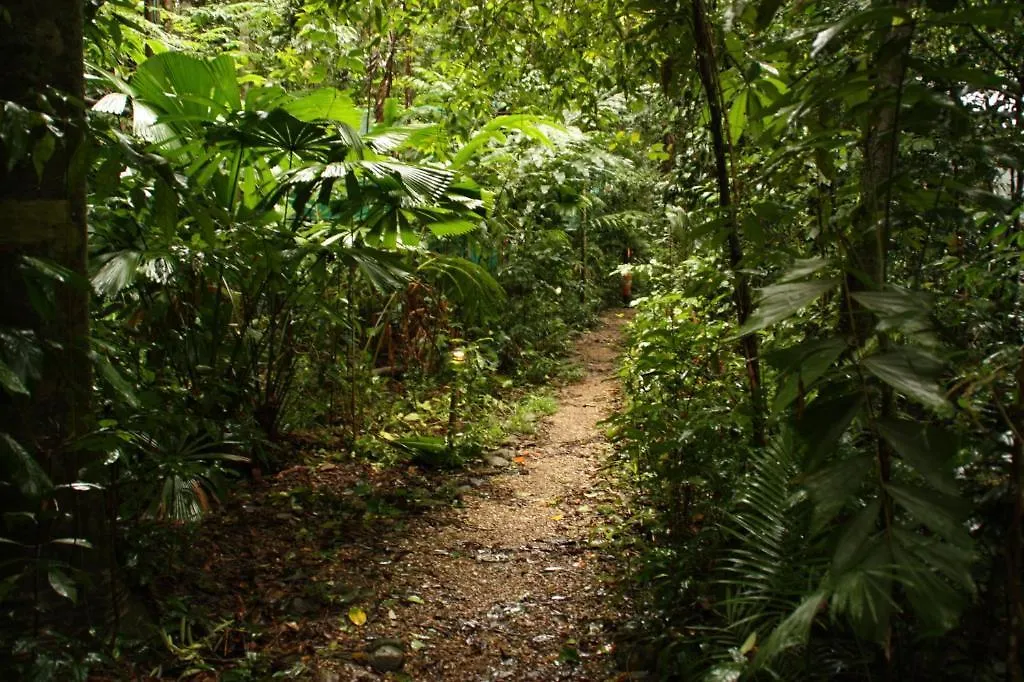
pixel 42 204
pixel 44 217
pixel 868 251
pixel 707 68
pixel 386 83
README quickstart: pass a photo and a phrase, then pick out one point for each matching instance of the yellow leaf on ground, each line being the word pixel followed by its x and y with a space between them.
pixel 357 615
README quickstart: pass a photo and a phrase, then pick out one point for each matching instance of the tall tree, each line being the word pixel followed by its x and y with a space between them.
pixel 707 69
pixel 43 246
pixel 42 201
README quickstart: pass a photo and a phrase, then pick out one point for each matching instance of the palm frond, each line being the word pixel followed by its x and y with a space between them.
pixel 537 128
pixel 473 288
pixel 770 569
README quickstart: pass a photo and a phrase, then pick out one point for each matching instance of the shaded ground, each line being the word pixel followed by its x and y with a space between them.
pixel 340 571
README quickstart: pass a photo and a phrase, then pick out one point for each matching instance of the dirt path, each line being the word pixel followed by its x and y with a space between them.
pixel 510 588
pixel 336 569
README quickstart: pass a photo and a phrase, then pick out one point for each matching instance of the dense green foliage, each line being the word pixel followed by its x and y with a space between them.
pixel 872 155
pixel 370 220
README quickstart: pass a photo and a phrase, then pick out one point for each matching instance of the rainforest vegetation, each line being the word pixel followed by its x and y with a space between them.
pixel 243 237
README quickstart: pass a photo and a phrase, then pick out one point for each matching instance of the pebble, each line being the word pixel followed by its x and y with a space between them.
pixel 386 658
pixel 496 461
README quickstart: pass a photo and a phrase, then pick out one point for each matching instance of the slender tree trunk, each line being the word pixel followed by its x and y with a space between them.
pixel 707 67
pixel 868 251
pixel 867 255
pixel 386 83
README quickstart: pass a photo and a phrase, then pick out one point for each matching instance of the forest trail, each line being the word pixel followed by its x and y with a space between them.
pixel 511 587
pixel 342 570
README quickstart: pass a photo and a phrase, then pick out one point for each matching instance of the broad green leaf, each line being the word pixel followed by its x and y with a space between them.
pixel 928 449
pixel 978 79
pixel 833 487
pixel 537 128
pixel 936 604
pixel 952 561
pixel 825 420
pixel 22 469
pixel 864 594
pixel 186 89
pixel 854 538
pixel 165 207
pixel 882 16
pixel 941 513
pixel 896 308
pixel 779 301
pixel 738 116
pixel 802 267
pixel 912 371
pixel 388 139
pixel 62 584
pixel 117 382
pixel 326 104
pixel 56 272
pixel 41 153
pixel 10 380
pixel 894 302
pixel 749 643
pixel 802 365
pixel 74 542
pixel 466 283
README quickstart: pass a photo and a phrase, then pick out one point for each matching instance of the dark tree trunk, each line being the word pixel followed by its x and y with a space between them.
pixel 868 251
pixel 869 244
pixel 707 68
pixel 387 82
pixel 43 216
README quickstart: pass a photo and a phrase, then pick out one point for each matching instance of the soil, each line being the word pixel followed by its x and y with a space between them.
pixel 311 570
